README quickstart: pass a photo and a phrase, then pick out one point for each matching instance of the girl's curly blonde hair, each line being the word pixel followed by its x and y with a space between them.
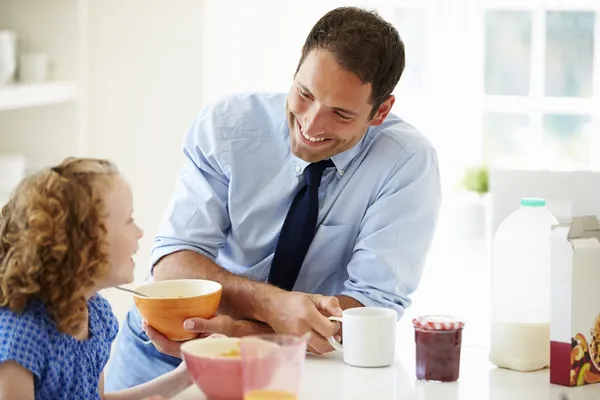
pixel 52 239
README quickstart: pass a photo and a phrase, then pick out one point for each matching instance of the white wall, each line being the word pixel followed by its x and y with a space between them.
pixel 255 45
pixel 44 135
pixel 568 193
pixel 145 87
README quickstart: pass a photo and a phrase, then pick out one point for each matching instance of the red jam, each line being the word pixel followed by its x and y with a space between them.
pixel 438 354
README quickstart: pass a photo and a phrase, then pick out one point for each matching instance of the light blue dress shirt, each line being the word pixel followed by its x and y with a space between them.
pixel 377 214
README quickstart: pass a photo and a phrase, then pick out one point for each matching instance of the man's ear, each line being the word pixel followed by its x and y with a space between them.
pixel 383 111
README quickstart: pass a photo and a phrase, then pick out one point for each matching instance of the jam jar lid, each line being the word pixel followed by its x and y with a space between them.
pixel 438 323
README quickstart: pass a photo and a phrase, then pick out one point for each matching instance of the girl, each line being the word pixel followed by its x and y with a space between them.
pixel 66 233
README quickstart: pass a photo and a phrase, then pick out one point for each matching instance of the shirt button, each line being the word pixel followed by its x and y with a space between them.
pixel 341 172
pixel 297 168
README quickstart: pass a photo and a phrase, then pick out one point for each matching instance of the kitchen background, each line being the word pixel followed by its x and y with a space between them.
pixel 508 91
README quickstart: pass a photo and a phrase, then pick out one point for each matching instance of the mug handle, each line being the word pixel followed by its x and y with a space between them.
pixel 334 343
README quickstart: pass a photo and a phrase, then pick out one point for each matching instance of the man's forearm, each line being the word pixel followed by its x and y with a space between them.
pixel 242 297
pixel 248 327
pixel 348 302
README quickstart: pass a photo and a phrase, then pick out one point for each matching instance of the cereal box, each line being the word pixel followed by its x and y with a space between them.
pixel 575 303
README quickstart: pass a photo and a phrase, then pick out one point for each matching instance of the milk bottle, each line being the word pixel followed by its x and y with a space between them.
pixel 520 328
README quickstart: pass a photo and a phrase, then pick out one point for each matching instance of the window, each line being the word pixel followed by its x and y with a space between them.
pixel 539 89
pixel 511 83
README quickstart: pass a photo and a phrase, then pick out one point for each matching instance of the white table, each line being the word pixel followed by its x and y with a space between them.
pixel 327 377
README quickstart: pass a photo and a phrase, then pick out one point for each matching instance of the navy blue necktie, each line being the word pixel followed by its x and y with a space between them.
pixel 298 229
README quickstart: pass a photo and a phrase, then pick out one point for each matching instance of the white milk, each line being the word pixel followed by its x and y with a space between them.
pixel 520 346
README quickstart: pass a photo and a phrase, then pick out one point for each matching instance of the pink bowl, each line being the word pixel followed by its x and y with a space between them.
pixel 218 376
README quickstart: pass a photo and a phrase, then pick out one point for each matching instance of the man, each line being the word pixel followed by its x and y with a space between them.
pixel 252 163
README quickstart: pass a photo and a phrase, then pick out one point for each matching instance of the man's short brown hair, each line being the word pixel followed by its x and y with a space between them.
pixel 362 43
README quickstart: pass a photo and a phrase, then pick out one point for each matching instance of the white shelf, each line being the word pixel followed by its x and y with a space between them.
pixel 17 96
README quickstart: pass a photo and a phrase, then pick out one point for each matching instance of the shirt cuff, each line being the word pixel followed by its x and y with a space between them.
pixel 162 251
pixel 370 302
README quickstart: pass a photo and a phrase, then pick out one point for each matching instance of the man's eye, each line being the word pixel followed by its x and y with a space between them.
pixel 342 116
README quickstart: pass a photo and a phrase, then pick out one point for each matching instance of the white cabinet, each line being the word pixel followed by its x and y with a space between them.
pixel 45 122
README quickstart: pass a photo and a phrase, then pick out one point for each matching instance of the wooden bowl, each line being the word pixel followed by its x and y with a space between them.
pixel 171 302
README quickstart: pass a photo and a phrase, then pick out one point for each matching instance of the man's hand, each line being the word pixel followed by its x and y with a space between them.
pixel 297 313
pixel 218 326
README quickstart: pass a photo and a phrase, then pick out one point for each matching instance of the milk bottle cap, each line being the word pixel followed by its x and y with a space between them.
pixel 533 202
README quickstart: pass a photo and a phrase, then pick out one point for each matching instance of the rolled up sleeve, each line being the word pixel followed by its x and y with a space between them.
pixel 395 235
pixel 196 217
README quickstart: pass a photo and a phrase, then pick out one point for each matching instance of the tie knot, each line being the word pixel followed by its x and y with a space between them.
pixel 314 172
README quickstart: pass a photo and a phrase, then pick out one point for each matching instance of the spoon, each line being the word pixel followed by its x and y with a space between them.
pixel 130 291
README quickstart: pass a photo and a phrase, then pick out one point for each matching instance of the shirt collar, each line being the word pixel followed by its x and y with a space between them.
pixel 343 159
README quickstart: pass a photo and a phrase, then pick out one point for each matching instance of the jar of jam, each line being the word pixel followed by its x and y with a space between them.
pixel 438 340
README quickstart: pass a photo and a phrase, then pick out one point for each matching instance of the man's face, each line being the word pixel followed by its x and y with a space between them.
pixel 328 108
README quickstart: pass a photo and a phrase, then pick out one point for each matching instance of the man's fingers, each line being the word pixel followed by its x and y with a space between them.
pixel 161 343
pixel 321 324
pixel 215 336
pixel 319 345
pixel 311 349
pixel 222 324
pixel 153 334
pixel 156 337
pixel 329 304
pixel 195 325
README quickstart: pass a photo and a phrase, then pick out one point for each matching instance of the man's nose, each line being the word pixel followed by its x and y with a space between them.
pixel 315 123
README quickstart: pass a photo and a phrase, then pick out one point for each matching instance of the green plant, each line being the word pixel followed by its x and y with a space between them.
pixel 476 180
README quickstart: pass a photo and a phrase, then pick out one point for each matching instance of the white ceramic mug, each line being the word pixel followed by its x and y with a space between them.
pixel 368 336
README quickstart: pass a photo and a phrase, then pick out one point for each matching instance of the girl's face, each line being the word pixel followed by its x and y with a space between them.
pixel 122 234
